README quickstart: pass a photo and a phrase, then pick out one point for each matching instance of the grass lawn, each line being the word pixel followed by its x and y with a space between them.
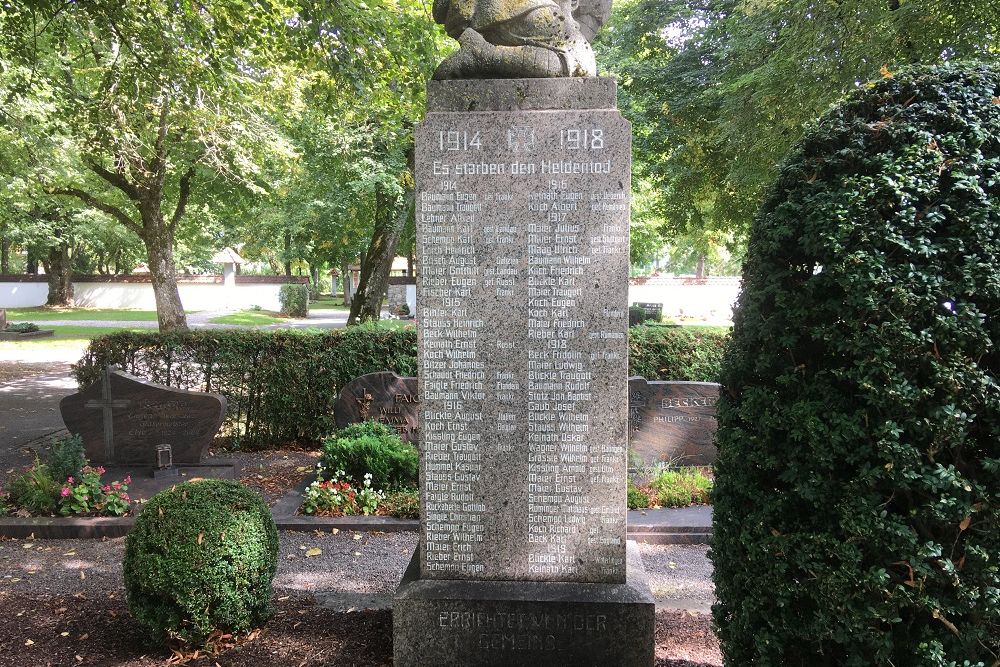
pixel 107 314
pixel 249 318
pixel 66 338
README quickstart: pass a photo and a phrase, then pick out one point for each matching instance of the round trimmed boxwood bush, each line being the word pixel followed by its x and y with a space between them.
pixel 201 558
pixel 372 447
pixel 857 497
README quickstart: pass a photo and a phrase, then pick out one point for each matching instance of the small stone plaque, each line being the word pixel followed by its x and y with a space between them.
pixel 383 397
pixel 122 420
pixel 671 422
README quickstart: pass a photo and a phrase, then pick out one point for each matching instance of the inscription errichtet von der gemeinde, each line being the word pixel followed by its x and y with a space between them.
pixel 522 318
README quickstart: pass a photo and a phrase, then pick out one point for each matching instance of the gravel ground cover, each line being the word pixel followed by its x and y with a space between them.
pixel 332 605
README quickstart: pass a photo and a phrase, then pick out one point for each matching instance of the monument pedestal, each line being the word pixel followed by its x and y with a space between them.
pixel 465 622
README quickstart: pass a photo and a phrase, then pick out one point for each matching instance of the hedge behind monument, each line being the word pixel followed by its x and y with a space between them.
pixel 857 497
pixel 280 386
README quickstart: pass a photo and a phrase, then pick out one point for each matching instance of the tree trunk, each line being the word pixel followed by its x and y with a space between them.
pixel 288 253
pixel 409 264
pixel 314 275
pixel 700 271
pixel 159 242
pixel 377 262
pixel 4 255
pixel 58 269
pixel 345 282
pixel 32 265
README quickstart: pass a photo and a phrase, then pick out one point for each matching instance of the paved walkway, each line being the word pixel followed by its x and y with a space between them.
pixel 318 319
pixel 29 405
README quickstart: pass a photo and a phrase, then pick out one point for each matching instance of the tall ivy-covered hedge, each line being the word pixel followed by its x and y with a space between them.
pixel 281 385
pixel 857 497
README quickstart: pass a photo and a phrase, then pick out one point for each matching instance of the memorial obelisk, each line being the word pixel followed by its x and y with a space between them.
pixel 523 173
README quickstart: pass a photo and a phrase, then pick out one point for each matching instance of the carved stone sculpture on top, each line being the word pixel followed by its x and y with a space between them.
pixel 508 39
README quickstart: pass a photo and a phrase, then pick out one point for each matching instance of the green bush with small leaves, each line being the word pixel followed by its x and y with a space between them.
pixel 638 499
pixel 67 458
pixel 857 496
pixel 372 447
pixel 294 299
pixel 201 558
pixel 681 487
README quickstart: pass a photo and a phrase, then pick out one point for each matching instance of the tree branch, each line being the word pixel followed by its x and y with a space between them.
pixel 182 197
pixel 116 180
pixel 115 212
pixel 159 146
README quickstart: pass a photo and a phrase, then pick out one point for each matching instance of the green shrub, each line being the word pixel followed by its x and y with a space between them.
pixel 857 498
pixel 371 447
pixel 255 370
pixel 201 558
pixel 35 490
pixel 637 498
pixel 67 458
pixel 681 487
pixel 280 386
pixel 677 353
pixel 403 504
pixel 294 300
pixel 22 327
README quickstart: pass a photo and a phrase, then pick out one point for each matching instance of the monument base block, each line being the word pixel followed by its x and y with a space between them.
pixel 463 622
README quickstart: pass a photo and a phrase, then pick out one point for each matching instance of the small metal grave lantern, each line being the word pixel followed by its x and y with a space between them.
pixel 165 463
pixel 164 457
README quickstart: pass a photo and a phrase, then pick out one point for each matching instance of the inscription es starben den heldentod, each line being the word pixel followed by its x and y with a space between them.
pixel 522 322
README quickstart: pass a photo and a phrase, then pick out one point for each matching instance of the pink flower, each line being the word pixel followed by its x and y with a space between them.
pixel 69 480
pixel 127 480
pixel 124 496
pixel 101 470
pixel 65 491
pixel 116 486
pixel 106 489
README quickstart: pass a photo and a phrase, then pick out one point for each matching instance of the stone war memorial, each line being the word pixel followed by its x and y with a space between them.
pixel 523 175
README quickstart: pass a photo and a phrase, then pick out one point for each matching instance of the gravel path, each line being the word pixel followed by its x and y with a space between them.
pixel 354 569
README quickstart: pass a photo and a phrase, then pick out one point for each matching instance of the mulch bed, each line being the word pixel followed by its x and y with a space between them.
pixel 90 630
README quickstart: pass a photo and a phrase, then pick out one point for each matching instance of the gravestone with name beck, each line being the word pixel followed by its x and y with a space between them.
pixel 522 310
pixel 671 422
pixel 383 397
pixel 125 421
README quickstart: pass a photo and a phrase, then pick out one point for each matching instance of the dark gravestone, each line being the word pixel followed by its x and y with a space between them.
pixel 383 397
pixel 654 311
pixel 123 419
pixel 671 422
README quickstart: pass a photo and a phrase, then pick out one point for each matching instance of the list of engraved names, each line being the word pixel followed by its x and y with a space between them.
pixel 522 232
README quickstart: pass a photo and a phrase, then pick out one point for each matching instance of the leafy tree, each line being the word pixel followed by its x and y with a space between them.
pixel 719 90
pixel 142 107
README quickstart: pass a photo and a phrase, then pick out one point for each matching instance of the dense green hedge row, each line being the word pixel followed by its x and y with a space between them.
pixel 676 353
pixel 857 497
pixel 282 385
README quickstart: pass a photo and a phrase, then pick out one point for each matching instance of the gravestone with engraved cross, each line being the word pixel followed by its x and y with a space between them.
pixel 123 420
